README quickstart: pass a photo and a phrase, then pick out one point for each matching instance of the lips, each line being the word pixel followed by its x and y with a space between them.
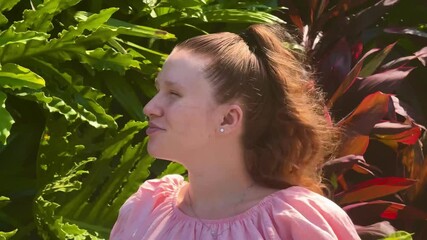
pixel 153 128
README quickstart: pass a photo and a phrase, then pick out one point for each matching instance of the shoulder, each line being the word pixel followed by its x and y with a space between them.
pixel 159 185
pixel 302 198
pixel 307 214
pixel 155 189
pixel 152 197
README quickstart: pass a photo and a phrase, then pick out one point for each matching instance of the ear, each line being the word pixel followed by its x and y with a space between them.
pixel 232 118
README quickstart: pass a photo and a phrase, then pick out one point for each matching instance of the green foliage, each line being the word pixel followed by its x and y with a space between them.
pixel 6 120
pixel 7 235
pixel 399 235
pixel 15 77
pixel 74 77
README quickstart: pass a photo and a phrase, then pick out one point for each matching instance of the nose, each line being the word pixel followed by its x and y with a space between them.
pixel 152 108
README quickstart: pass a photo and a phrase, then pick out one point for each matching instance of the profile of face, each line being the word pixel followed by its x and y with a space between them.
pixel 183 116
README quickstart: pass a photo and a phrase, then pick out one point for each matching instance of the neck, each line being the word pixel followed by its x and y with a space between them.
pixel 219 185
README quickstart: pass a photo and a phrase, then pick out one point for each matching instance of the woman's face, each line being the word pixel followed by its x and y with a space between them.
pixel 183 114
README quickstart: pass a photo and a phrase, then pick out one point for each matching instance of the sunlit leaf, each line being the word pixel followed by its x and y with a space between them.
pixel 6 120
pixel 360 122
pixel 375 231
pixel 4 201
pixel 73 99
pixel 11 39
pixel 15 77
pixel 40 19
pixel 372 64
pixel 340 165
pixel 147 53
pixel 53 104
pixel 402 133
pixel 47 212
pixel 7 235
pixel 349 79
pixel 69 182
pixel 132 170
pixel 369 112
pixel 7 5
pixel 399 235
pixel 127 28
pixel 403 30
pixel 386 82
pixel 101 60
pixel 362 212
pixel 79 208
pixel 124 93
pixel 173 168
pixel 421 55
pixel 295 15
pixel 374 188
pixel 90 23
pixel 179 4
pixel 239 16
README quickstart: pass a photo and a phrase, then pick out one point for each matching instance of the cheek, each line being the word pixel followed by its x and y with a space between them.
pixel 193 121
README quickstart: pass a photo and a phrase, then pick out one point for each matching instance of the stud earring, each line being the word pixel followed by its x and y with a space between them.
pixel 221 130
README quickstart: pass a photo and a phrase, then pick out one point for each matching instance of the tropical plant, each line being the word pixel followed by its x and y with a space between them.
pixel 370 57
pixel 74 77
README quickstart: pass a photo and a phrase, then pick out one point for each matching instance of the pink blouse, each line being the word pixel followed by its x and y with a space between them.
pixel 292 213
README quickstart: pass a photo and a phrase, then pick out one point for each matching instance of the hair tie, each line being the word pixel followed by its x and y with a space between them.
pixel 249 39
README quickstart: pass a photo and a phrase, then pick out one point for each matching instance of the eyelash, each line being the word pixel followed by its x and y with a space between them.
pixel 174 93
pixel 170 92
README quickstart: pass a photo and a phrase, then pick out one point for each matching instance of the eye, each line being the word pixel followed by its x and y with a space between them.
pixel 174 93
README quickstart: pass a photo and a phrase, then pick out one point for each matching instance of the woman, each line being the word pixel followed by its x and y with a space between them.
pixel 239 112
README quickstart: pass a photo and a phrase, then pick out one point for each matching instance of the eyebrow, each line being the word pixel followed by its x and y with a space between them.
pixel 168 83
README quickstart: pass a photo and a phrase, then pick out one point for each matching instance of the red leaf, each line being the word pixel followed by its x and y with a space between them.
pixel 359 123
pixel 357 50
pixel 335 65
pixel 369 112
pixel 384 209
pixel 353 143
pixel 322 6
pixel 403 30
pixel 397 132
pixel 372 65
pixel 349 79
pixel 386 82
pixel 374 188
pixel 422 55
pixel 313 5
pixel 378 230
pixel 294 14
pixel 340 165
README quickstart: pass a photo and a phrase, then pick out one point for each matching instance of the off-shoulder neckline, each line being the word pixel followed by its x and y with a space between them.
pixel 247 214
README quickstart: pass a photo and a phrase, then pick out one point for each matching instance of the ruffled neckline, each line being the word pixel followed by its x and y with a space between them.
pixel 247 214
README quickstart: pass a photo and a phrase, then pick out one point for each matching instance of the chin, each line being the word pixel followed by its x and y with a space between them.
pixel 153 150
pixel 158 152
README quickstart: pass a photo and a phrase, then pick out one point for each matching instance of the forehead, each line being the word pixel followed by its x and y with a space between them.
pixel 182 66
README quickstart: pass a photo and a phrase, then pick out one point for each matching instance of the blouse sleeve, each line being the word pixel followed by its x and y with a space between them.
pixel 142 203
pixel 302 214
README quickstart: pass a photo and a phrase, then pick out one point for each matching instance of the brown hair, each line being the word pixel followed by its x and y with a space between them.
pixel 286 132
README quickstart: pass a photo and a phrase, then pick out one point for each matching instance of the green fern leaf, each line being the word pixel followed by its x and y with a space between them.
pixel 6 120
pixel 14 76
